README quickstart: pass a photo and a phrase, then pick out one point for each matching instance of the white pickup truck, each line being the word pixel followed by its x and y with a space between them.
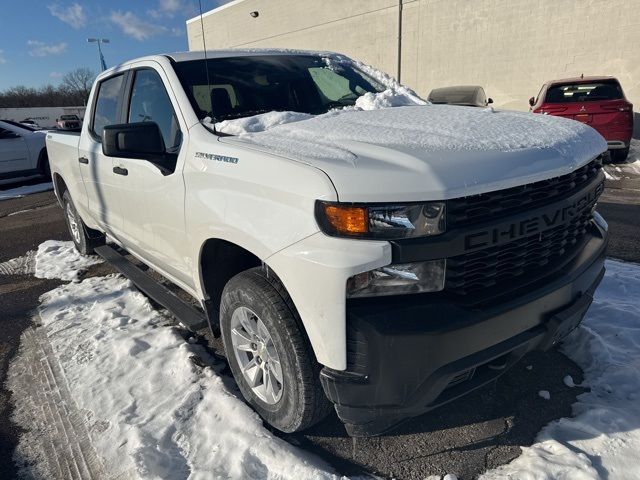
pixel 355 246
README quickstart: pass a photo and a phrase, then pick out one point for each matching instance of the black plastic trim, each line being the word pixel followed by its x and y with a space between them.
pixel 406 352
pixel 188 315
pixel 460 241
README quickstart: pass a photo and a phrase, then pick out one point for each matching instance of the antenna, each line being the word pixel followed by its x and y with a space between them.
pixel 206 65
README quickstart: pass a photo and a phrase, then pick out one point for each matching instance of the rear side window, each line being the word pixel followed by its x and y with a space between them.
pixel 150 103
pixel 106 110
pixel 584 92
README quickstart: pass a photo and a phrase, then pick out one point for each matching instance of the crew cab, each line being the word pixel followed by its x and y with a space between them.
pixel 355 246
pixel 22 152
pixel 597 101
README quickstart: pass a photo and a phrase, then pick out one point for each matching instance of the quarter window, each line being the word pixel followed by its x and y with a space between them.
pixel 106 110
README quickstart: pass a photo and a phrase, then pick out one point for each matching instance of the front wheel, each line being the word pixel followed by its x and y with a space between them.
pixel 84 242
pixel 268 353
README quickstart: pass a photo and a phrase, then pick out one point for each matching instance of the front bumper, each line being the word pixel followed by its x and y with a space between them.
pixel 408 355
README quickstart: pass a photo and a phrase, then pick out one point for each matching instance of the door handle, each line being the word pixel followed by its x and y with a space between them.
pixel 84 160
pixel 120 171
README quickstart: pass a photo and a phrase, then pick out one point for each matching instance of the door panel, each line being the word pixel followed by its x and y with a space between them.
pixel 153 219
pixel 100 182
pixel 14 155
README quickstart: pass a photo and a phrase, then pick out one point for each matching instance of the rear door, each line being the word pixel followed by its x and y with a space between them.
pixel 14 154
pixel 98 176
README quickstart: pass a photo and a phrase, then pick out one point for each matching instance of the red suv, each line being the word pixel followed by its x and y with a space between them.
pixel 596 101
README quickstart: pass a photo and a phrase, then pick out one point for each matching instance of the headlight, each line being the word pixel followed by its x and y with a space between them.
pixel 398 279
pixel 383 222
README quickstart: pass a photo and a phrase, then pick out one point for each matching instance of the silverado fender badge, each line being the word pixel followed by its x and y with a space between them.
pixel 218 158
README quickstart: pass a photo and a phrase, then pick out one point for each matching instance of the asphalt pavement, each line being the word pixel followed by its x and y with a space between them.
pixel 465 437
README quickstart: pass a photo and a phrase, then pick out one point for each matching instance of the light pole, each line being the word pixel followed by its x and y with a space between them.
pixel 100 41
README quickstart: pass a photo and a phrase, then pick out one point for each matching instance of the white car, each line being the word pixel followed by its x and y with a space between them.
pixel 23 152
pixel 355 246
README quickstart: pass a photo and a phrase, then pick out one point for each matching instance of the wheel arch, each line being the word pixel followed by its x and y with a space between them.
pixel 59 186
pixel 219 261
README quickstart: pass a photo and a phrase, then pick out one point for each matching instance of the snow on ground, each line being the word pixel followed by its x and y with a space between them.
pixel 602 440
pixel 20 265
pixel 144 403
pixel 150 410
pixel 26 190
pixel 61 260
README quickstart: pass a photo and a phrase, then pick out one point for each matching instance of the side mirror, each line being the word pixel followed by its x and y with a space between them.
pixel 532 101
pixel 489 100
pixel 141 140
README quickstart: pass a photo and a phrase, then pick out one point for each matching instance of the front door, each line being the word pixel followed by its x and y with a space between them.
pixel 153 219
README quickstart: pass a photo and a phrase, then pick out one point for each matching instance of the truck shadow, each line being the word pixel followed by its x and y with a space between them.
pixel 482 430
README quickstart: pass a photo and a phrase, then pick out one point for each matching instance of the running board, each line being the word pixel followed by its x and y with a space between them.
pixel 187 314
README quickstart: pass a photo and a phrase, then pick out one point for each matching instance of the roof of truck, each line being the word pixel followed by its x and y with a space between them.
pixel 239 52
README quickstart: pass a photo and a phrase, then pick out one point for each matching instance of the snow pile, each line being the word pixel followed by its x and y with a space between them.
pixel 432 129
pixel 259 123
pixel 603 440
pixel 61 260
pixel 154 412
pixel 20 265
pixel 387 99
pixel 26 190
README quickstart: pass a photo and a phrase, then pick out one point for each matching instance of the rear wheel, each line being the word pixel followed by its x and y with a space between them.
pixel 268 353
pixel 619 155
pixel 83 238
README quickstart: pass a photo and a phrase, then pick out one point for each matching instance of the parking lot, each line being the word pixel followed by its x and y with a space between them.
pixel 468 436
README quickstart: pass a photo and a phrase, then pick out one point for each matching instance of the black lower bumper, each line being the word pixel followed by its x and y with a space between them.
pixel 410 355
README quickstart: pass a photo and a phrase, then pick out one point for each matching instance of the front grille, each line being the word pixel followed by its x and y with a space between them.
pixel 462 212
pixel 524 260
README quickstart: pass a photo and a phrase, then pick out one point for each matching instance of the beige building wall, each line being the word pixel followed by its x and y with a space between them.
pixel 509 46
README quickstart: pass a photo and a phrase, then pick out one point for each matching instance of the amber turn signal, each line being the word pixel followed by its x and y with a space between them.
pixel 346 220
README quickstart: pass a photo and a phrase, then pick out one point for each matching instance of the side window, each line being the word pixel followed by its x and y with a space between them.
pixel 106 111
pixel 150 103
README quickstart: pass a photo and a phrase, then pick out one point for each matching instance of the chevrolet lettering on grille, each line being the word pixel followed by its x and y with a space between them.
pixel 555 215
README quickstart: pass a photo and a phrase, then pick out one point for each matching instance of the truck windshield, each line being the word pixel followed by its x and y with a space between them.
pixel 246 86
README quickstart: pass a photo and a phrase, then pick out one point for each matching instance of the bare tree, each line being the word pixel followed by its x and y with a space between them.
pixel 78 82
pixel 73 91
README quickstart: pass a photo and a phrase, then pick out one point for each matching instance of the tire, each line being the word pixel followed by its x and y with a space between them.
pixel 261 297
pixel 83 238
pixel 619 155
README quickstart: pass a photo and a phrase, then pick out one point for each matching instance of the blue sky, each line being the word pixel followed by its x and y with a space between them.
pixel 43 39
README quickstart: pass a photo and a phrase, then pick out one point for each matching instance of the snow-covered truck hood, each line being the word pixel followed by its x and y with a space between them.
pixel 433 152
